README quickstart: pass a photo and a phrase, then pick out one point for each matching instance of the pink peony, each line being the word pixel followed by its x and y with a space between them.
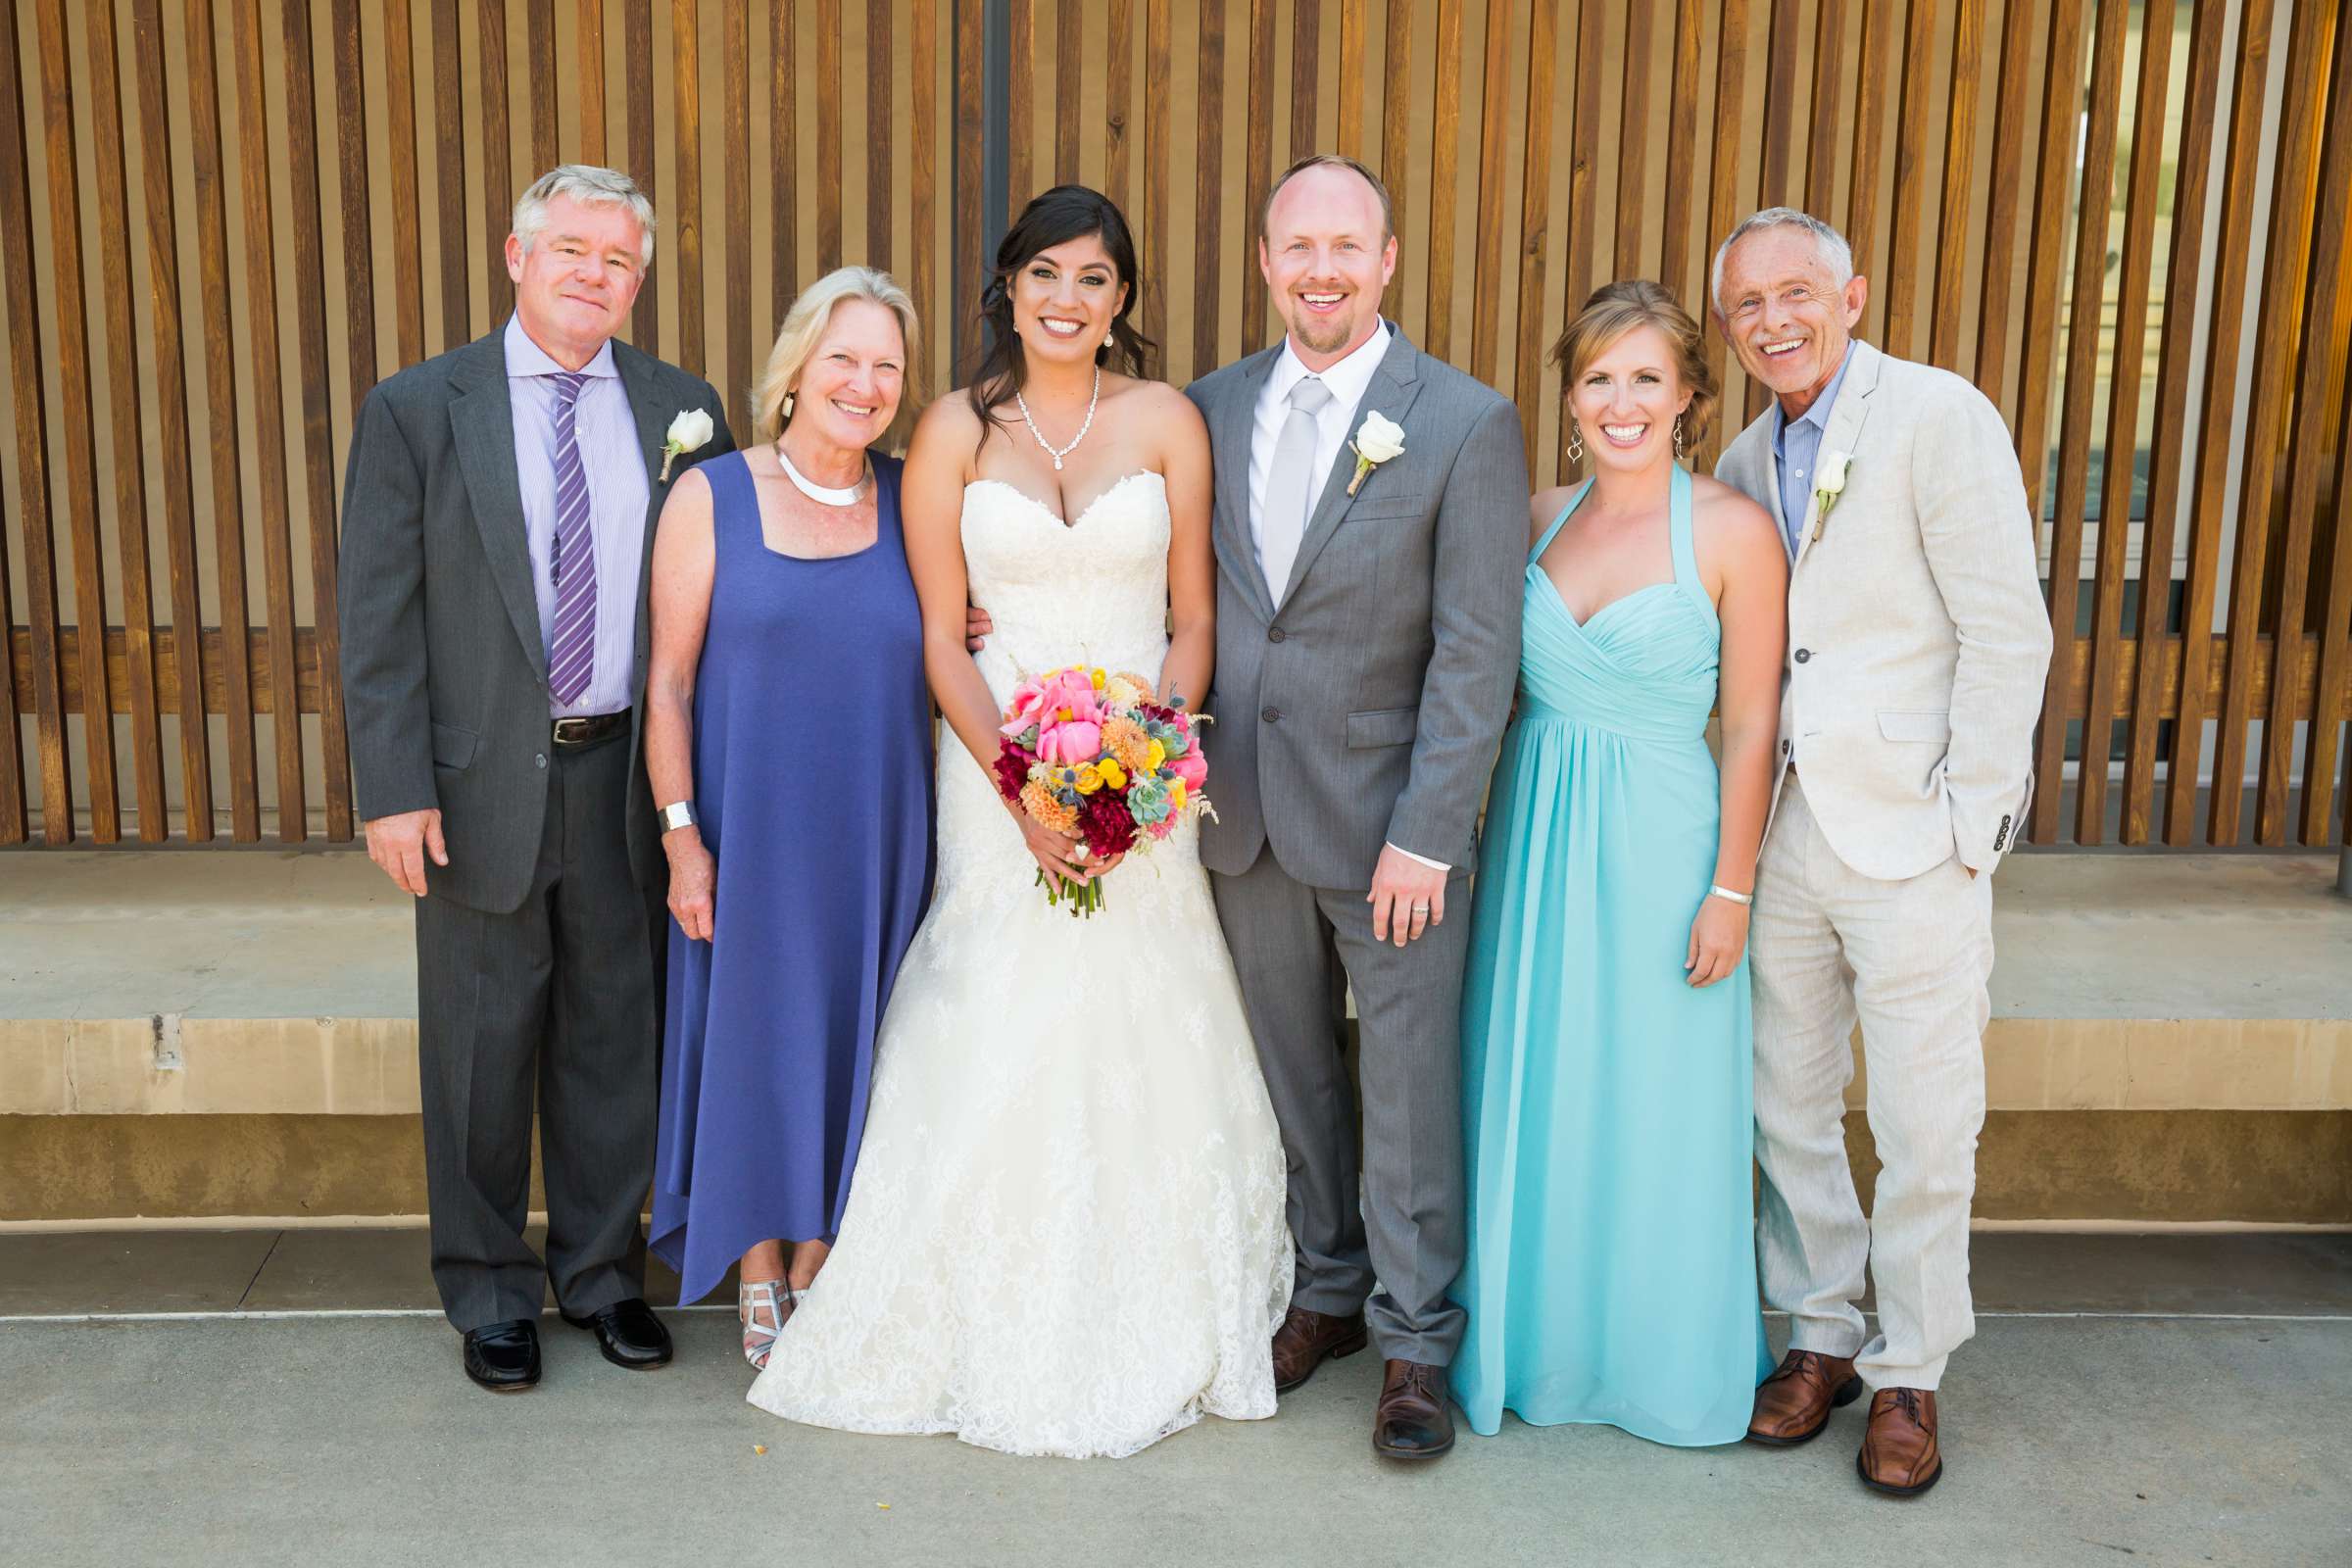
pixel 1070 744
pixel 1191 768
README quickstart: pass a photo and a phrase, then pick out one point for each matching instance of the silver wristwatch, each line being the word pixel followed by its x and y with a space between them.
pixel 678 814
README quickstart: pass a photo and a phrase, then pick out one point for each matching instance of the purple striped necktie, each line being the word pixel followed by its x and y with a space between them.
pixel 572 655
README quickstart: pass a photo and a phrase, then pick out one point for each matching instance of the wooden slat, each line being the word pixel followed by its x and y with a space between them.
pixel 1445 159
pixel 498 155
pixel 113 196
pixel 2045 275
pixel 1632 144
pixel 1534 217
pixel 1912 192
pixel 1822 141
pixel 1118 114
pixel 2124 381
pixel 685 211
pixel 38 660
pixel 2224 331
pixel 1487 244
pixel 1257 161
pixel 2332 683
pixel 266 441
pixel 741 356
pixel 406 217
pixel 589 31
pixel 73 360
pixel 1584 169
pixel 2275 334
pixel 1723 198
pixel 637 56
pixel 1959 182
pixel 164 329
pixel 1020 104
pixel 1874 73
pixel 1395 130
pixel 2314 430
pixel 206 675
pixel 2297 663
pixel 317 402
pixel 1783 37
pixel 1306 46
pixel 2019 32
pixel 1070 55
pixel 880 121
pixel 1677 244
pixel 1354 22
pixel 829 118
pixel 922 269
pixel 450 91
pixel 783 162
pixel 2182 271
pixel 2081 371
pixel 351 168
pixel 970 193
pixel 539 38
pixel 1209 188
pixel 226 446
pixel 1159 26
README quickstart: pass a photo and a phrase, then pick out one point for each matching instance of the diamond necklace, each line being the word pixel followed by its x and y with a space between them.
pixel 1089 423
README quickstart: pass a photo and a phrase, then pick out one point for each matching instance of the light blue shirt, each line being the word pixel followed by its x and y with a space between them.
pixel 619 489
pixel 1794 447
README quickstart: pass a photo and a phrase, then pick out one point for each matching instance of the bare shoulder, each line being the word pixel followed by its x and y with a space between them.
pixel 1731 533
pixel 1544 506
pixel 1157 401
pixel 1724 508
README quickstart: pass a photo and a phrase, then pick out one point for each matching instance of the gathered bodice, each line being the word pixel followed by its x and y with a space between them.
pixel 1642 665
pixel 1093 589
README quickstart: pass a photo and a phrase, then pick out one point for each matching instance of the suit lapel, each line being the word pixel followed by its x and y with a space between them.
pixel 1230 441
pixel 1392 389
pixel 653 429
pixel 482 425
pixel 1845 432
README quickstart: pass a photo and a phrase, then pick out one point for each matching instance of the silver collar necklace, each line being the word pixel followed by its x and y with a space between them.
pixel 823 495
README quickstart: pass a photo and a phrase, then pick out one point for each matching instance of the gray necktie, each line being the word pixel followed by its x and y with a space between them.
pixel 1291 486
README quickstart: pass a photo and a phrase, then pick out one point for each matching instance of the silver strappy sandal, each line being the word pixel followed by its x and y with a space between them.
pixel 776 1299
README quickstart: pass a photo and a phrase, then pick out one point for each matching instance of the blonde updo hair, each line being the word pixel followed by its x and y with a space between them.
pixel 804 325
pixel 1616 309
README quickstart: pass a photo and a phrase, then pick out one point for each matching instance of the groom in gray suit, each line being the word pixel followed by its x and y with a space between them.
pixel 1371 534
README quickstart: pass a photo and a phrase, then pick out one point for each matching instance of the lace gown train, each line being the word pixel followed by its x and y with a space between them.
pixel 1066 1233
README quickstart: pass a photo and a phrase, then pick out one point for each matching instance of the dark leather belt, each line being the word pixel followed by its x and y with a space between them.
pixel 572 734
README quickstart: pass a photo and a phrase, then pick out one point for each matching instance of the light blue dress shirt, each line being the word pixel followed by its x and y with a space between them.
pixel 1794 447
pixel 619 489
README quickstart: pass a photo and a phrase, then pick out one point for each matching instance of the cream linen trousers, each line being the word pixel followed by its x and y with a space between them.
pixel 1911 958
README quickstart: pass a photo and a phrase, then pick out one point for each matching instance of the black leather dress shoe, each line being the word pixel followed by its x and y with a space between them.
pixel 504 1357
pixel 629 1333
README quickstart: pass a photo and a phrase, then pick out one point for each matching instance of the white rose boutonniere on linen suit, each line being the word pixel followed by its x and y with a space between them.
pixel 1829 484
pixel 690 431
pixel 1378 439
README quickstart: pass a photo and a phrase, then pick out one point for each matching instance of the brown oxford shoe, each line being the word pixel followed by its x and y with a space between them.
pixel 1412 1420
pixel 1794 1402
pixel 1307 1339
pixel 1899 1455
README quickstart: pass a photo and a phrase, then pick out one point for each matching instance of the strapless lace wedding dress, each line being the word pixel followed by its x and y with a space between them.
pixel 1065 1234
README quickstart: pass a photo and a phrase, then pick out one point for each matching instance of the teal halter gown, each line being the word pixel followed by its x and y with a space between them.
pixel 1611 1271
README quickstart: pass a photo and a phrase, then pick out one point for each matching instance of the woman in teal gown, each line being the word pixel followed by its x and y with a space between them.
pixel 1612 1274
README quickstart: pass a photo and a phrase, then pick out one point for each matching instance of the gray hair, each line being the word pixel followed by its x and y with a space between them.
pixel 591 185
pixel 1833 245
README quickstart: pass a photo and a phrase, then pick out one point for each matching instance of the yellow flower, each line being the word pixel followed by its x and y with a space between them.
pixel 1158 754
pixel 1111 773
pixel 1176 794
pixel 1098 676
pixel 1090 779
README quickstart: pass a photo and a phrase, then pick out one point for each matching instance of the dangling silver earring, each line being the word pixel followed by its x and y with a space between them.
pixel 1678 438
pixel 1576 442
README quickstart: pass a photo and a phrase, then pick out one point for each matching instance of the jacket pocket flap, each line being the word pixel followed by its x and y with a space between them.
pixel 1372 507
pixel 452 747
pixel 1383 727
pixel 1915 724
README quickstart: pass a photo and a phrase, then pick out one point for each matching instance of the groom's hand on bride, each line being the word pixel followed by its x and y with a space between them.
pixel 976 628
pixel 1407 897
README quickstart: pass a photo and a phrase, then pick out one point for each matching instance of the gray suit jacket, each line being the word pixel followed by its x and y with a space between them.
pixel 444 667
pixel 1362 703
pixel 1918 638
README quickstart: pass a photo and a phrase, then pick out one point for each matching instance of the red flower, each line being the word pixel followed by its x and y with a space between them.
pixel 1012 770
pixel 1103 822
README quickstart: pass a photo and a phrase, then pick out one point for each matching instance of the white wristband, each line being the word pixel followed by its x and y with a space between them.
pixel 1720 891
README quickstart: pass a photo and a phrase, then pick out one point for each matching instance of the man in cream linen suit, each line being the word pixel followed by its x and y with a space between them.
pixel 1918 642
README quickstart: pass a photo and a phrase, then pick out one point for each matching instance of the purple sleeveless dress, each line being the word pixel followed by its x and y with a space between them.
pixel 812 783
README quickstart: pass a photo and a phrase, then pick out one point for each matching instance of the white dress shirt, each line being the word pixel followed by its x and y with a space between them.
pixel 1335 422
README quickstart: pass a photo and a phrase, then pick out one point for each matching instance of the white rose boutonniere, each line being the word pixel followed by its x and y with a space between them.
pixel 1829 484
pixel 1378 439
pixel 690 431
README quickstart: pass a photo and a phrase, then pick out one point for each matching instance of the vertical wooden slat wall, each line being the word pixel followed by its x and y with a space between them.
pixel 2091 208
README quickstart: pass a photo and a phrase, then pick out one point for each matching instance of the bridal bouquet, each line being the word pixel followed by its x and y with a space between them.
pixel 1098 756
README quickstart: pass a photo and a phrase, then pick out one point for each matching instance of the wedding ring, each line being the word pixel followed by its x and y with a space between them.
pixel 1420 908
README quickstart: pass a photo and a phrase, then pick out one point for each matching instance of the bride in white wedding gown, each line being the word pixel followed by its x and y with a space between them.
pixel 1065 1234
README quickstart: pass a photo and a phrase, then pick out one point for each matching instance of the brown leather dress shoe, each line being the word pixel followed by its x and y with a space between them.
pixel 1413 1420
pixel 1794 1402
pixel 1306 1340
pixel 1899 1455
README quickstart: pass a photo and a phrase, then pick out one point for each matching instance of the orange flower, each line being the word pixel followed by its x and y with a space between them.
pixel 1130 743
pixel 1138 683
pixel 1038 803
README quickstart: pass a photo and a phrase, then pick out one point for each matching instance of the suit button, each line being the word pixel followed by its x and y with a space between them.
pixel 1784 747
pixel 1275 634
pixel 1803 654
pixel 540 760
pixel 1272 715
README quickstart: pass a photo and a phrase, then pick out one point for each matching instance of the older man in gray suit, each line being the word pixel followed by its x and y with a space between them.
pixel 497 520
pixel 1371 532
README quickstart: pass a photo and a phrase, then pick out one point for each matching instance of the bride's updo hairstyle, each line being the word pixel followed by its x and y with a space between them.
pixel 1616 309
pixel 1052 218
